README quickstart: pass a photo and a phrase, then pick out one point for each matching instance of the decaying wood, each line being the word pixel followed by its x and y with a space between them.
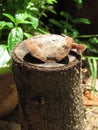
pixel 50 94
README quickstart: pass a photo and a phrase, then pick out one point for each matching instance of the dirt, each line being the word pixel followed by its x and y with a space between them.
pixel 91 113
pixel 91 120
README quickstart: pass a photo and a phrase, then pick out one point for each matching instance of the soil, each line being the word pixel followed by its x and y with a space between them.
pixel 91 111
pixel 91 120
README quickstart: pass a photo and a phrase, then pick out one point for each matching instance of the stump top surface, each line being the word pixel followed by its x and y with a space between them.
pixel 21 54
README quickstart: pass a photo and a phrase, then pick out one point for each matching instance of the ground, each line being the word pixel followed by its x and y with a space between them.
pixel 91 120
pixel 91 111
pixel 91 102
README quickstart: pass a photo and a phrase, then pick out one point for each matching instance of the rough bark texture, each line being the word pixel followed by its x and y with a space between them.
pixel 50 95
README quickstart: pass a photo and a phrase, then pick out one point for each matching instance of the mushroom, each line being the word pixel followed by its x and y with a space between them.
pixel 51 47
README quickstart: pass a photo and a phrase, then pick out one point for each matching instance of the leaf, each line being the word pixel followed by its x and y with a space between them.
pixel 79 3
pixel 4 56
pixel 82 20
pixel 25 18
pixel 4 24
pixel 10 17
pixel 88 36
pixel 21 17
pixel 51 1
pixel 66 15
pixel 34 22
pixel 95 72
pixel 15 36
pixel 27 35
pixel 2 49
pixel 32 7
pixel 55 22
pixel 43 31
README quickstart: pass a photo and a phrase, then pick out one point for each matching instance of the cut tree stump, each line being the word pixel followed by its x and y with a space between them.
pixel 50 94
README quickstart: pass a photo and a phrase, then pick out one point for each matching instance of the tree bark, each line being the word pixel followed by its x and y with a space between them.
pixel 50 95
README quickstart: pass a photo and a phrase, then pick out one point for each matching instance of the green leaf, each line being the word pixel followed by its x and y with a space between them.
pixel 95 72
pixel 15 36
pixel 66 15
pixel 25 18
pixel 21 17
pixel 51 1
pixel 2 49
pixel 82 20
pixel 27 35
pixel 75 33
pixel 4 56
pixel 4 24
pixel 88 36
pixel 55 22
pixel 34 22
pixel 10 17
pixel 42 31
pixel 79 3
pixel 31 7
pixel 93 67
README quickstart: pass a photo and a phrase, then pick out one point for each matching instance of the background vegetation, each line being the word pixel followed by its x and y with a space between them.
pixel 20 19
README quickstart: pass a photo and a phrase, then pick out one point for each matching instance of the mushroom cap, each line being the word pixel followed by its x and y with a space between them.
pixel 49 47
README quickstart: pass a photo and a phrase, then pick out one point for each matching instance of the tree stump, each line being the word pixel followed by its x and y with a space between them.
pixel 50 95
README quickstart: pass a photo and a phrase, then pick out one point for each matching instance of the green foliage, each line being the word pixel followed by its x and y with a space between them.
pixel 15 36
pixel 92 45
pixel 20 19
pixel 93 67
pixel 4 59
pixel 68 24
pixel 78 3
pixel 4 24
